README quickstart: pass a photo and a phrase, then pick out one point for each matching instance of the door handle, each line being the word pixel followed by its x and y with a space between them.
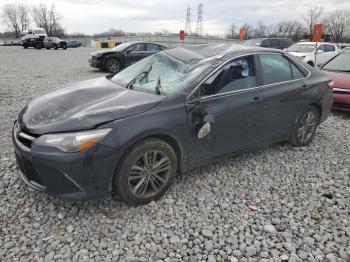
pixel 257 99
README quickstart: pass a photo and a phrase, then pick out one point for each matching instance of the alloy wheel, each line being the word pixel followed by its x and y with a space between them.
pixel 114 66
pixel 307 126
pixel 149 174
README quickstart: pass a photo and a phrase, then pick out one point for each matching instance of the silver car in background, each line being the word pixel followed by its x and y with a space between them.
pixel 314 53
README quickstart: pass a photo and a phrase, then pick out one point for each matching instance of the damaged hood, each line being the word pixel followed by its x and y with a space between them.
pixel 84 105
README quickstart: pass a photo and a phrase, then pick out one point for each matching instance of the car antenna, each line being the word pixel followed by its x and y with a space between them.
pixel 158 86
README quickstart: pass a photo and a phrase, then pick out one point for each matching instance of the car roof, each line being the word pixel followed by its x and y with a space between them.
pixel 141 42
pixel 309 42
pixel 278 38
pixel 213 52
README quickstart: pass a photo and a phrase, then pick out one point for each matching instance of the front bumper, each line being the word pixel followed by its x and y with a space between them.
pixel 94 62
pixel 76 176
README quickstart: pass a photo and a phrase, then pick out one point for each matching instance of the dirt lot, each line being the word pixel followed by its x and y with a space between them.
pixel 275 204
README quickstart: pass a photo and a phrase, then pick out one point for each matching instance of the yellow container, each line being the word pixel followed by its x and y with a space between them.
pixel 98 43
pixel 111 44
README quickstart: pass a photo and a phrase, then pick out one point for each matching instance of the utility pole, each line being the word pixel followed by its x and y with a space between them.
pixel 188 30
pixel 199 26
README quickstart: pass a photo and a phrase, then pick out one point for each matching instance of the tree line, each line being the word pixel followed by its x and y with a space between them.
pixel 19 16
pixel 336 26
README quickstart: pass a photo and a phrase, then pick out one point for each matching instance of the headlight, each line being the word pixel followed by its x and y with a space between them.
pixel 73 142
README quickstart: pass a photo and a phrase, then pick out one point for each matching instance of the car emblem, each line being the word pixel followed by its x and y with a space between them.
pixel 204 130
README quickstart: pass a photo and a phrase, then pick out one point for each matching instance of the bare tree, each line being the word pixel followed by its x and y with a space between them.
pixel 261 30
pixel 16 16
pixel 248 30
pixel 337 24
pixel 47 18
pixel 312 17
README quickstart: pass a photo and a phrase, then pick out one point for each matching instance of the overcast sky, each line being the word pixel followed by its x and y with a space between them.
pixel 93 16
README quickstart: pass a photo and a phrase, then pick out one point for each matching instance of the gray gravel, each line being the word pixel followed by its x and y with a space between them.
pixel 275 204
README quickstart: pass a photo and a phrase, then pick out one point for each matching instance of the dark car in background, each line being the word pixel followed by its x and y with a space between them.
pixel 73 43
pixel 338 69
pixel 55 43
pixel 131 133
pixel 279 43
pixel 113 60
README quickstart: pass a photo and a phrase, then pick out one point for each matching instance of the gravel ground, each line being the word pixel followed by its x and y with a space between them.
pixel 276 204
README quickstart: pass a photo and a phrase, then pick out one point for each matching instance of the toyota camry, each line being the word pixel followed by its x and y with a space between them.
pixel 130 134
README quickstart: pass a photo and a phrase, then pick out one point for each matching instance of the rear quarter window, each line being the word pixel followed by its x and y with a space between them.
pixel 275 69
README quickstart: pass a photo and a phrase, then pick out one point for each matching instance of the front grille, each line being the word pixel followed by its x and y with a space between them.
pixel 27 168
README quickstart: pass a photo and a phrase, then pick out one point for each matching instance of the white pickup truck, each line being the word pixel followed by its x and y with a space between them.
pixel 33 37
pixel 314 53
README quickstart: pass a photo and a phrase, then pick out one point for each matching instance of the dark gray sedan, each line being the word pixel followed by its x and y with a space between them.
pixel 55 43
pixel 166 114
pixel 115 59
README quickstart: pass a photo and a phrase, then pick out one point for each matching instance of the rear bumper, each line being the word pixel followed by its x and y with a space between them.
pixel 76 176
pixel 341 102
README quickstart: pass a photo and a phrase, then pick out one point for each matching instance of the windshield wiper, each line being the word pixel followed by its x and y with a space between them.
pixel 145 73
pixel 158 86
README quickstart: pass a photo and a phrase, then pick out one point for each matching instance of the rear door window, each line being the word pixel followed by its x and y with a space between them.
pixel 275 43
pixel 285 43
pixel 297 74
pixel 330 48
pixel 275 69
pixel 265 43
pixel 153 47
pixel 136 48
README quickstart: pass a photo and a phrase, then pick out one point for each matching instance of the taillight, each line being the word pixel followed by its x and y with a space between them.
pixel 331 84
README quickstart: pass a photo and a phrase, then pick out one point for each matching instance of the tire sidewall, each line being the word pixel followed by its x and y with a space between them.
pixel 108 64
pixel 295 138
pixel 121 185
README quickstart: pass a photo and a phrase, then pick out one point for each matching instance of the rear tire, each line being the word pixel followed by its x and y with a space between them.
pixel 146 172
pixel 113 65
pixel 305 127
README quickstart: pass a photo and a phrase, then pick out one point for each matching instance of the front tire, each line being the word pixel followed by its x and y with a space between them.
pixel 146 172
pixel 305 127
pixel 113 65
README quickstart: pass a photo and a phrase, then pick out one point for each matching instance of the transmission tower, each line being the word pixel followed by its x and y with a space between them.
pixel 199 26
pixel 188 21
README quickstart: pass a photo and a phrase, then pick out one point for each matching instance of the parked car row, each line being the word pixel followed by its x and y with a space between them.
pixel 37 38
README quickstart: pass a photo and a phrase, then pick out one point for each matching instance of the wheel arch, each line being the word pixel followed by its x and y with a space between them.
pixel 318 107
pixel 108 56
pixel 166 137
